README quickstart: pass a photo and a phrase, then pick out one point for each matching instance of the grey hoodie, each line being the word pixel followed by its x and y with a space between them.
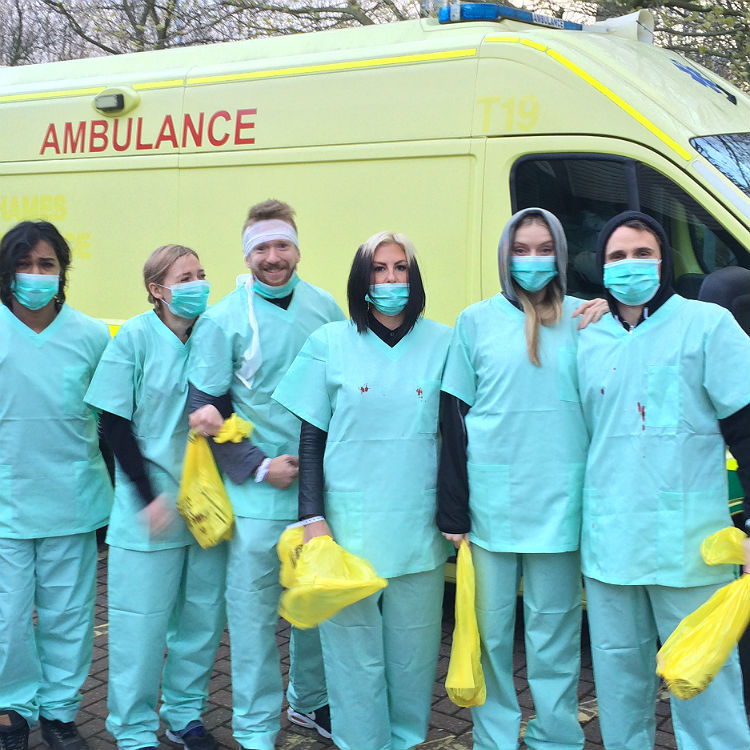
pixel 506 242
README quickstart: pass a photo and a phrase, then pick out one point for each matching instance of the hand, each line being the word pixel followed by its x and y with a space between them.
pixel 319 528
pixel 206 421
pixel 746 567
pixel 590 311
pixel 282 471
pixel 456 538
pixel 158 515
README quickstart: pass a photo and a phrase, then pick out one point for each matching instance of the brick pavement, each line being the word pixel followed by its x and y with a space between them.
pixel 450 726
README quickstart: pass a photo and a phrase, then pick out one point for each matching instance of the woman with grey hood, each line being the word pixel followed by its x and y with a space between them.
pixel 511 477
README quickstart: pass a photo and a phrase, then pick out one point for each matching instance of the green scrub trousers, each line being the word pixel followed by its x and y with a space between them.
pixel 44 667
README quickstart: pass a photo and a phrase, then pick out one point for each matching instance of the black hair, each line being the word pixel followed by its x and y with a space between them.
pixel 18 242
pixel 359 285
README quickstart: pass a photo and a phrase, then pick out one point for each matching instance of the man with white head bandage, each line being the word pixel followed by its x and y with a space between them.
pixel 242 347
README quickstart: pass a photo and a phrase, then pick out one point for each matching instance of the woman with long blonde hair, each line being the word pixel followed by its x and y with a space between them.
pixel 511 478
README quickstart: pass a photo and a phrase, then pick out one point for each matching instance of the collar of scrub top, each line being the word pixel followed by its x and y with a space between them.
pixel 504 254
pixel 665 290
pixel 385 334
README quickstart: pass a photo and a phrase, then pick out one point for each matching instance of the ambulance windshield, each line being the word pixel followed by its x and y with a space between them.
pixel 730 154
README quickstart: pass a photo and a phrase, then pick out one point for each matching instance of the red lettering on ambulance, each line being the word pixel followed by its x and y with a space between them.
pixel 50 140
pixel 98 140
pixel 166 133
pixel 139 145
pixel 197 135
pixel 71 141
pixel 241 125
pixel 212 139
pixel 94 136
pixel 115 143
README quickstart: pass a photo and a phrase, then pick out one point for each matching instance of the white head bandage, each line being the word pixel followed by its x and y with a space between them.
pixel 267 231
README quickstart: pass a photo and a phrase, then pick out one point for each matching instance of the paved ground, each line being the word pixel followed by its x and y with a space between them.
pixel 450 726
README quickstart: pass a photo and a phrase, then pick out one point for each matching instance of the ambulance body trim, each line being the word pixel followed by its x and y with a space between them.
pixel 614 98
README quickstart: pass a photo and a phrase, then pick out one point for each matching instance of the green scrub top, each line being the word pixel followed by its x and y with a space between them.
pixel 142 377
pixel 379 405
pixel 656 482
pixel 526 435
pixel 53 480
pixel 221 336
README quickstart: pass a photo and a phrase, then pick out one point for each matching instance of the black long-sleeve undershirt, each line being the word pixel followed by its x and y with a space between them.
pixel 118 433
pixel 453 479
pixel 237 460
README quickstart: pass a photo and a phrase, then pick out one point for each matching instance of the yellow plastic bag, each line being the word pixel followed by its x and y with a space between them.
pixel 202 500
pixel 465 680
pixel 320 578
pixel 695 652
pixel 234 430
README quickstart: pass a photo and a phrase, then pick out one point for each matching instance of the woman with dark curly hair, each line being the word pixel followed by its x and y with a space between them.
pixel 54 490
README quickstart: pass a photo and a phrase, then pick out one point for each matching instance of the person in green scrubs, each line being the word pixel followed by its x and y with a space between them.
pixel 164 590
pixel 511 477
pixel 367 392
pixel 664 388
pixel 54 490
pixel 242 347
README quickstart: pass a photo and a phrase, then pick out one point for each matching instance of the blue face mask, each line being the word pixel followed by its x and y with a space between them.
pixel 276 292
pixel 35 290
pixel 190 299
pixel 533 272
pixel 389 299
pixel 632 282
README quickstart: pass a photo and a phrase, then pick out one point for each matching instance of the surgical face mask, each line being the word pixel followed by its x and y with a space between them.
pixel 389 299
pixel 35 290
pixel 276 292
pixel 533 272
pixel 190 299
pixel 632 282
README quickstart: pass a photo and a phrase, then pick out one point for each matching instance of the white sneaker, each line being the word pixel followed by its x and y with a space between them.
pixel 320 720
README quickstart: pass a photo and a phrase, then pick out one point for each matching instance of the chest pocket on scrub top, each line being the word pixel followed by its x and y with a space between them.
pixel 663 396
pixel 427 394
pixel 75 383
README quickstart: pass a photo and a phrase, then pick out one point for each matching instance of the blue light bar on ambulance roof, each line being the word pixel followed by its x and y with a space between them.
pixel 457 11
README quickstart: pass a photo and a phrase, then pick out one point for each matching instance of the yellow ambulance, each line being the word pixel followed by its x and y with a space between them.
pixel 439 127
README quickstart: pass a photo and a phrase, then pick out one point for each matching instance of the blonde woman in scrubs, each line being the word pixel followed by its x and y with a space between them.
pixel 511 476
pixel 54 490
pixel 164 590
pixel 368 394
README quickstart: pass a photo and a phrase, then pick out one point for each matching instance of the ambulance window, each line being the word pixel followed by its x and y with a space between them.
pixel 730 154
pixel 585 191
pixel 700 243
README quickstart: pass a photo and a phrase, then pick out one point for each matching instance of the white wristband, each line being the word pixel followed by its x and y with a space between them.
pixel 312 519
pixel 262 470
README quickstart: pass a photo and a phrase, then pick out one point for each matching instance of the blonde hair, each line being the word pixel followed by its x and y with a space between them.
pixel 158 264
pixel 546 311
pixel 368 249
